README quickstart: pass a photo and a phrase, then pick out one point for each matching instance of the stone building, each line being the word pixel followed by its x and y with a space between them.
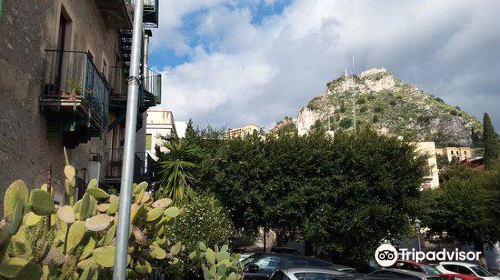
pixel 63 69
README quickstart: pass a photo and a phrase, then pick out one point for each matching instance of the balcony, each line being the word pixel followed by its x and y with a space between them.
pixel 143 167
pixel 75 97
pixel 149 13
pixel 115 13
pixel 151 83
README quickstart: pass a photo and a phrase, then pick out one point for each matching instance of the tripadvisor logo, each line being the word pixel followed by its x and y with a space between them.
pixel 386 255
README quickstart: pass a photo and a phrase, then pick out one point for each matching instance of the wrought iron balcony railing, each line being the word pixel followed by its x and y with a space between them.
pixel 151 83
pixel 150 12
pixel 75 80
pixel 143 166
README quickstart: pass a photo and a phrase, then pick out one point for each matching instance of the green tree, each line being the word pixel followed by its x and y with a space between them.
pixel 491 147
pixel 295 185
pixel 190 131
pixel 175 170
pixel 467 219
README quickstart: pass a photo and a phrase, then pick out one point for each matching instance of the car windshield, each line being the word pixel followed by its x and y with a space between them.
pixel 480 271
pixel 430 270
pixel 248 260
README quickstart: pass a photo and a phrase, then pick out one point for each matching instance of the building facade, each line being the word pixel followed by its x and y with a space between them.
pixel 457 153
pixel 63 78
pixel 160 125
pixel 241 132
pixel 431 177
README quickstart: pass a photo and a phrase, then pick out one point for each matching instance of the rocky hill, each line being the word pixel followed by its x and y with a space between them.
pixel 391 107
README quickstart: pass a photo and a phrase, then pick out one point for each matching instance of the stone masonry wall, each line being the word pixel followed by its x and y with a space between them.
pixel 27 29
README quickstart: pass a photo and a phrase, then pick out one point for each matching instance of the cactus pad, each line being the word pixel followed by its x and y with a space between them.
pixel 10 268
pixel 17 191
pixel 41 202
pixel 98 222
pixel 75 235
pixel 154 214
pixel 104 256
pixel 97 193
pixel 162 203
pixel 66 214
pixel 171 212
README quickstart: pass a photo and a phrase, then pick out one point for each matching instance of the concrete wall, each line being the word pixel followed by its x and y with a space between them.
pixel 27 28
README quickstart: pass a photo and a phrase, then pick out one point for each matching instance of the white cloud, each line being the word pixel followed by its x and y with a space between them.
pixel 258 74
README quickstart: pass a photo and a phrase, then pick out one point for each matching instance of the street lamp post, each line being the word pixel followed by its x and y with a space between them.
pixel 122 232
pixel 417 232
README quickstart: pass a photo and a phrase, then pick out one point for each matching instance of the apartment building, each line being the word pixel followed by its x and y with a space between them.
pixel 63 75
pixel 160 125
pixel 431 177
pixel 241 132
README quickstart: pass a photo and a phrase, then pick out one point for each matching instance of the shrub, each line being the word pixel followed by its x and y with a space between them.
pixel 345 123
pixel 378 109
pixel 205 220
pixel 363 109
pixel 375 119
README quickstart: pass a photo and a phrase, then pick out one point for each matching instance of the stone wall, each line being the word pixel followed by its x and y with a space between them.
pixel 27 29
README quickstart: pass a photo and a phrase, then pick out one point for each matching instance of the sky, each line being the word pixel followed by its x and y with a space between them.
pixel 229 63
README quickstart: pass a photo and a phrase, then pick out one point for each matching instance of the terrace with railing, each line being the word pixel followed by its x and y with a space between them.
pixel 75 96
pixel 143 166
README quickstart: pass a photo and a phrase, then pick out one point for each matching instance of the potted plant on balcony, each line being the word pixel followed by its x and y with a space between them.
pixel 75 90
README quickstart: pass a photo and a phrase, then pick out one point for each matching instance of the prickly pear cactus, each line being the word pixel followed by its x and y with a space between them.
pixel 218 264
pixel 79 241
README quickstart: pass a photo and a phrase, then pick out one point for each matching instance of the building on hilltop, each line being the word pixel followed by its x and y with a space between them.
pixel 160 124
pixel 241 132
pixel 64 66
pixel 458 153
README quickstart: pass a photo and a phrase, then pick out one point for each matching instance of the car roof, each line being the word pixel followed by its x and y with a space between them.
pixel 459 263
pixel 412 262
pixel 309 269
pixel 289 255
pixel 408 272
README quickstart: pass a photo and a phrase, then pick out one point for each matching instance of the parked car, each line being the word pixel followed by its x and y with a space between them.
pixel 261 265
pixel 418 267
pixel 305 273
pixel 405 274
pixel 459 277
pixel 466 269
pixel 285 250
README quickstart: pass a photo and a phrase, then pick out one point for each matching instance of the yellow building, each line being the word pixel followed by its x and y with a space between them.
pixel 431 178
pixel 456 153
pixel 241 132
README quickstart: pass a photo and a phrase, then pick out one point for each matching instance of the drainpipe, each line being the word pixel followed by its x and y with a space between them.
pixel 145 54
pixel 120 265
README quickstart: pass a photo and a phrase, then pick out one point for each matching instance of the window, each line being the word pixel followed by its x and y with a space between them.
pixel 465 152
pixel 464 270
pixel 313 276
pixel 481 271
pixel 279 275
pixel 149 141
pixel 268 262
pixel 430 270
pixel 452 268
pixel 452 152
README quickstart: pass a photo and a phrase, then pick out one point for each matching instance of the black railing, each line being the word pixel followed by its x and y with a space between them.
pixel 73 76
pixel 143 166
pixel 152 87
pixel 150 11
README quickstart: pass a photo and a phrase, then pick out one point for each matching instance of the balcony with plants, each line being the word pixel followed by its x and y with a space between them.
pixel 75 97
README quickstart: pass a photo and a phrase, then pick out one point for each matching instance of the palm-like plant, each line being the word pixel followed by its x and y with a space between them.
pixel 175 171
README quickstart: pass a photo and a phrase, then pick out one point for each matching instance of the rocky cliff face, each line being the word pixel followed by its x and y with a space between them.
pixel 378 99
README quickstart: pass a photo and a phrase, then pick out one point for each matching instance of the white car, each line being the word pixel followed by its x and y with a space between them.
pixel 467 269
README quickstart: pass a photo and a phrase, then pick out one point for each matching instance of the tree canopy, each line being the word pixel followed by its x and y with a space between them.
pixel 343 195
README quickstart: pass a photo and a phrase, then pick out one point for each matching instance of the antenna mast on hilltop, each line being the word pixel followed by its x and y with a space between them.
pixel 353 96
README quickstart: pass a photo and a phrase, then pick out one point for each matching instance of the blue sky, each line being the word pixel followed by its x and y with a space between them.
pixel 233 62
